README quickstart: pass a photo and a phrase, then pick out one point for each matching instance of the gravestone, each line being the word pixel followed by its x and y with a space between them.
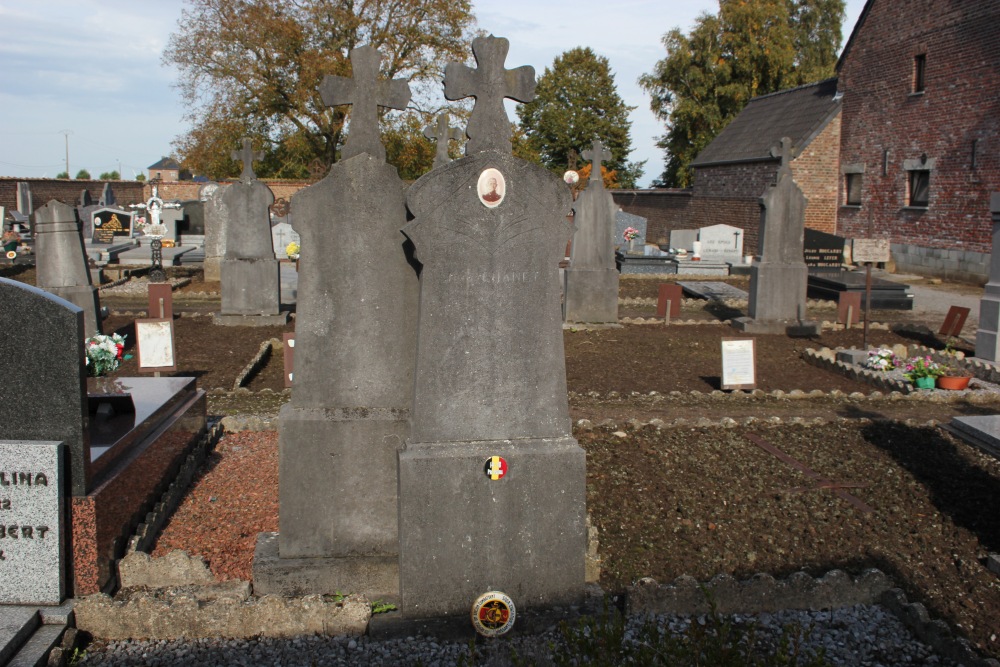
pixel 683 239
pixel 591 278
pixel 490 373
pixel 442 133
pixel 778 275
pixel 822 252
pixel 988 335
pixel 355 329
pixel 721 243
pixel 216 218
pixel 251 284
pixel 25 205
pixel 108 196
pixel 281 235
pixel 885 294
pixel 111 225
pixel 625 220
pixel 61 262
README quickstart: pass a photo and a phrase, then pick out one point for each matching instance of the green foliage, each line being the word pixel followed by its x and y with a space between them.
pixel 83 175
pixel 76 657
pixel 750 48
pixel 380 607
pixel 254 68
pixel 62 174
pixel 109 176
pixel 140 177
pixel 576 101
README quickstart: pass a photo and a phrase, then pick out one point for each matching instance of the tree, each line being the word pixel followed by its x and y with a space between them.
pixel 253 68
pixel 576 101
pixel 141 178
pixel 751 48
pixel 83 175
pixel 63 174
pixel 109 176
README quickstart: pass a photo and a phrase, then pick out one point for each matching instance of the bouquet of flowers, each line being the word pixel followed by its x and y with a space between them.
pixel 922 367
pixel 630 233
pixel 104 354
pixel 10 236
pixel 881 359
pixel 293 249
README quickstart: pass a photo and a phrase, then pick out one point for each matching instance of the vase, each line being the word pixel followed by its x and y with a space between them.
pixel 953 382
pixel 924 383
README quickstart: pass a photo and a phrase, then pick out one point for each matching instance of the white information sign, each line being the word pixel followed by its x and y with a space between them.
pixel 870 250
pixel 154 342
pixel 738 363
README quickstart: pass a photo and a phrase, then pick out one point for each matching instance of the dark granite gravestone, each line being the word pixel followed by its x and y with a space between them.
pixel 355 344
pixel 61 262
pixel 885 293
pixel 490 230
pixel 822 252
pixel 591 278
pixel 988 334
pixel 442 133
pixel 111 225
pixel 251 284
pixel 778 274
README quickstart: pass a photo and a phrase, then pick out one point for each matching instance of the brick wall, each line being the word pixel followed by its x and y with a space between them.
pixel 960 106
pixel 68 192
pixel 664 210
pixel 188 190
pixel 729 194
pixel 817 172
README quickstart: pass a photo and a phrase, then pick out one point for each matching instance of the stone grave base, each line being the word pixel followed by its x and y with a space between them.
pixel 777 291
pixel 224 320
pixel 462 534
pixel 793 328
pixel 591 295
pixel 250 287
pixel 885 293
pixel 982 431
pixel 700 267
pixel 131 469
pixel 641 264
pixel 376 576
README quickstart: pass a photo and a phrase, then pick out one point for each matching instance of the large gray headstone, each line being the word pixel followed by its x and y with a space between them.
pixel 988 334
pixel 32 502
pixel 42 364
pixel 356 318
pixel 683 239
pixel 216 219
pixel 722 243
pixel 251 284
pixel 61 262
pixel 489 231
pixel 592 279
pixel 25 204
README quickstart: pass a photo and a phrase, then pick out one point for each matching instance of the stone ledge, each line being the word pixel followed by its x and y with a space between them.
pixel 251 369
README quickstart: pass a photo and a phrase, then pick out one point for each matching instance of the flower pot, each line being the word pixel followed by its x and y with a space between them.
pixel 924 383
pixel 953 382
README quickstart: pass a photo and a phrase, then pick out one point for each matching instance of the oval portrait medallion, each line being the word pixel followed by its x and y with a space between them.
pixel 493 614
pixel 491 187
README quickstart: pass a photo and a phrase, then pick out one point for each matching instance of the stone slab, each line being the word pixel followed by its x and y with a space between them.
pixel 700 267
pixel 16 626
pixel 714 291
pixel 886 294
pixel 31 501
pixel 792 328
pixel 35 651
pixel 250 320
pixel 463 534
pixel 640 264
pixel 982 431
pixel 376 577
pixel 591 295
pixel 250 286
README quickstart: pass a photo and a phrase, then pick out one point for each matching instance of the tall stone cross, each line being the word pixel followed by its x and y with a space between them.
pixel 442 133
pixel 784 151
pixel 490 83
pixel 597 154
pixel 247 156
pixel 366 94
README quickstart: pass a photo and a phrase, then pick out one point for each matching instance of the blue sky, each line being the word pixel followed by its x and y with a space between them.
pixel 88 72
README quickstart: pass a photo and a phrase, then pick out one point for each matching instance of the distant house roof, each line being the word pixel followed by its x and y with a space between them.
pixel 797 113
pixel 165 163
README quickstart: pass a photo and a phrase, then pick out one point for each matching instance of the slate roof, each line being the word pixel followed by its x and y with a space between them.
pixel 798 113
pixel 165 163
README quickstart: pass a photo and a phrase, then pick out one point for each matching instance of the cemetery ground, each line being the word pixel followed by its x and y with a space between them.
pixel 693 493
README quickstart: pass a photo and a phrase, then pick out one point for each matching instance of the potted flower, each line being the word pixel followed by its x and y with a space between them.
pixel 631 234
pixel 881 359
pixel 954 377
pixel 923 371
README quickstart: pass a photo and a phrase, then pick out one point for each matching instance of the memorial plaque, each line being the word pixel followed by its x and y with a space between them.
pixel 954 321
pixel 870 250
pixel 738 364
pixel 111 226
pixel 154 344
pixel 822 251
pixel 32 565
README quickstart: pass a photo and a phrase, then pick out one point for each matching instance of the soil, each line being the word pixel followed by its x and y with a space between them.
pixel 681 498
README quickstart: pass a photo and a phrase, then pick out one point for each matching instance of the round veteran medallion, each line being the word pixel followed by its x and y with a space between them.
pixel 493 614
pixel 496 467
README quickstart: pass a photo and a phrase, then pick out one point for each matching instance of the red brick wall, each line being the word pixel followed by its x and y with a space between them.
pixel 961 103
pixel 68 192
pixel 664 210
pixel 729 194
pixel 188 190
pixel 817 172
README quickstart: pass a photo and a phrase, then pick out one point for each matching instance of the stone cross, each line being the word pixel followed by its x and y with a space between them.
pixel 441 133
pixel 366 94
pixel 784 151
pixel 489 126
pixel 597 154
pixel 247 155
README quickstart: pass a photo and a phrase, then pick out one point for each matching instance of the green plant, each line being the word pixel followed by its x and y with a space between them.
pixel 76 656
pixel 922 367
pixel 380 607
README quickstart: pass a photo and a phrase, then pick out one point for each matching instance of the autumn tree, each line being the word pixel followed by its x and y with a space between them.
pixel 253 68
pixel 576 101
pixel 750 48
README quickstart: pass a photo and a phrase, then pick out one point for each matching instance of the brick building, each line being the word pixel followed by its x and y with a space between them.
pixel 919 145
pixel 165 169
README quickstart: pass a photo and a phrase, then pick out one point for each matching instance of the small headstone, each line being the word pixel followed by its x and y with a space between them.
pixel 33 532
pixel 625 220
pixel 282 234
pixel 683 239
pixel 24 202
pixel 108 196
pixel 61 262
pixel 111 225
pixel 591 278
pixel 988 334
pixel 721 243
pixel 216 219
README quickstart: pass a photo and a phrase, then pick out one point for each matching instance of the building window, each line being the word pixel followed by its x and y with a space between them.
pixel 919 72
pixel 920 186
pixel 853 189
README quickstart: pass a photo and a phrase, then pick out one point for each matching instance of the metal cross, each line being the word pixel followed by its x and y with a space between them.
pixel 441 133
pixel 597 154
pixel 489 126
pixel 247 155
pixel 366 94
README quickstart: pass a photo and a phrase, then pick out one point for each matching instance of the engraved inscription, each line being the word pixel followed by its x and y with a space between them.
pixel 493 278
